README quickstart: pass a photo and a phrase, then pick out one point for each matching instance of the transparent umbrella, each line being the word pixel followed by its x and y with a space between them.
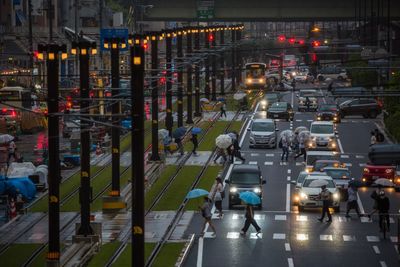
pixel 223 141
pixel 287 133
pixel 300 129
pixel 318 183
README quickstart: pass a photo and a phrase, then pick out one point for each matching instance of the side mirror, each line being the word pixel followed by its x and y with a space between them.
pixel 293 182
pixel 226 181
pixel 248 129
pixel 297 95
pixel 276 130
pixel 336 132
pixel 263 182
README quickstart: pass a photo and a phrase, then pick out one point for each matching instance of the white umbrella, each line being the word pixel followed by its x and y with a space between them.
pixel 300 129
pixel 162 133
pixel 305 135
pixel 223 141
pixel 383 182
pixel 287 133
pixel 205 100
pixel 5 138
pixel 239 96
pixel 318 183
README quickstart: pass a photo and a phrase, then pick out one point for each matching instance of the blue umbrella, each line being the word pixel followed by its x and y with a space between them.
pixel 197 192
pixel 221 99
pixel 250 198
pixel 196 130
pixel 179 132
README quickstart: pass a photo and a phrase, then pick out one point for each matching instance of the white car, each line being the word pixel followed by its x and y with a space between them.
pixel 263 133
pixel 308 195
pixel 334 73
pixel 311 94
pixel 323 136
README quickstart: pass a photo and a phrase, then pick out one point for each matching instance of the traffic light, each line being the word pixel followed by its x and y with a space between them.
pixel 211 37
pixel 316 43
pixel 314 57
pixel 301 42
pixel 281 38
pixel 292 40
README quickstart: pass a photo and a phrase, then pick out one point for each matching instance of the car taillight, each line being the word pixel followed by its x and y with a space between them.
pixel 13 113
pixel 366 170
pixel 389 170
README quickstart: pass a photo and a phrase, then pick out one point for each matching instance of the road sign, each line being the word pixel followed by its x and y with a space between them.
pixel 121 33
pixel 205 9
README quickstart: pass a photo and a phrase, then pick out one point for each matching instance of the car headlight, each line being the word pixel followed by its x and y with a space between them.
pixel 264 102
pixel 318 118
pixel 333 145
pixel 366 170
pixel 233 190
pixel 257 190
pixel 388 171
pixel 261 80
pixel 335 118
pixel 336 196
pixel 293 73
pixel 303 195
pixel 248 80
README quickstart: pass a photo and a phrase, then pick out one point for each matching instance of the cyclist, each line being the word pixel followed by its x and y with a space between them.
pixel 383 206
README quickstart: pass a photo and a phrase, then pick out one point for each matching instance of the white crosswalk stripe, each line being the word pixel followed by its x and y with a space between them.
pixel 254 154
pixel 326 238
pixel 279 236
pixel 253 162
pixel 269 163
pixel 344 156
pixel 372 238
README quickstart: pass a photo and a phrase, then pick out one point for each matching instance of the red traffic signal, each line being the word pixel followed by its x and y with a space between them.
pixel 292 40
pixel 314 57
pixel 316 43
pixel 210 37
pixel 145 46
pixel 281 38
pixel 301 42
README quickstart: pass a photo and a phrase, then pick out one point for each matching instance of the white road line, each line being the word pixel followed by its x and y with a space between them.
pixel 270 163
pixel 383 264
pixel 344 156
pixel 289 171
pixel 289 178
pixel 360 205
pixel 376 249
pixel 253 162
pixel 200 252
pixel 290 262
pixel 323 98
pixel 310 120
pixel 340 146
pixel 288 198
pixel 287 247
pixel 299 120
pixel 292 100
pixel 362 164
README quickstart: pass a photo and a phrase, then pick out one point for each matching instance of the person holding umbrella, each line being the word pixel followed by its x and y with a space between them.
pixel 302 148
pixel 195 143
pixel 352 200
pixel 326 198
pixel 223 110
pixel 206 214
pixel 218 194
pixel 250 221
pixel 179 134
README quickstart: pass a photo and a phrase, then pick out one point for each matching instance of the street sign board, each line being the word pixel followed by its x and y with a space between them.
pixel 205 9
pixel 113 33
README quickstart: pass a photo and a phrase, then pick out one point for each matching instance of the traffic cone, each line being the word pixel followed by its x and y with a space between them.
pixel 13 209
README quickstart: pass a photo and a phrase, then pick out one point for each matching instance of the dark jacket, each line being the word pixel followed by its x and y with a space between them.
pixel 194 139
pixel 249 212
pixel 383 205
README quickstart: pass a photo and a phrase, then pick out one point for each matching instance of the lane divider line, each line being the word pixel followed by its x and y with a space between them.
pixel 287 247
pixel 340 146
pixel 376 249
pixel 288 198
pixel 290 262
pixel 360 205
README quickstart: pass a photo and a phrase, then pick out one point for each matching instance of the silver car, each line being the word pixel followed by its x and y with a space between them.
pixel 263 133
pixel 311 94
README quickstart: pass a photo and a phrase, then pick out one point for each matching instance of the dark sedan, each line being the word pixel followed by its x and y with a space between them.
pixel 328 112
pixel 280 110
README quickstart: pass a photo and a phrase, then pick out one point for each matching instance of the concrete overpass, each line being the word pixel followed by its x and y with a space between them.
pixel 261 10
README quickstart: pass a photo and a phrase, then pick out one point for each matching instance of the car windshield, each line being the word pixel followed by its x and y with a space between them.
pixel 271 97
pixel 307 183
pixel 322 129
pixel 263 127
pixel 307 93
pixel 301 177
pixel 279 106
pixel 338 174
pixel 311 159
pixel 328 108
pixel 319 165
pixel 245 178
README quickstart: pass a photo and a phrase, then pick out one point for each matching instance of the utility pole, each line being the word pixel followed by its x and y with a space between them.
pixel 189 81
pixel 138 160
pixel 85 191
pixel 154 98
pixel 238 56
pixel 54 176
pixel 197 112
pixel 169 121
pixel 180 77
pixel 50 18
pixel 30 36
pixel 207 64
pixel 222 72
pixel 214 67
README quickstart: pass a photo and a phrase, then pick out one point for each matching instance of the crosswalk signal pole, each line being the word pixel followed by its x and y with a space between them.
pixel 154 97
pixel 169 121
pixel 197 112
pixel 189 80
pixel 180 77
pixel 222 62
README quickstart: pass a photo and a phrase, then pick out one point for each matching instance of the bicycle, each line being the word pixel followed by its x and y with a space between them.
pixel 384 223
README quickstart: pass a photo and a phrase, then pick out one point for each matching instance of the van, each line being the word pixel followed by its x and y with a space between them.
pixel 244 177
pixel 263 133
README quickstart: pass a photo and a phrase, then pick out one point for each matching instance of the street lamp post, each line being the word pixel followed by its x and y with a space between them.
pixel 180 77
pixel 233 40
pixel 207 64
pixel 85 191
pixel 154 98
pixel 52 51
pixel 222 72
pixel 214 67
pixel 238 57
pixel 169 121
pixel 137 141
pixel 197 112
pixel 189 81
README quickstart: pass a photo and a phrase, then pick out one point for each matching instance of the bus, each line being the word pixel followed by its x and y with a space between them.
pixel 255 75
pixel 13 100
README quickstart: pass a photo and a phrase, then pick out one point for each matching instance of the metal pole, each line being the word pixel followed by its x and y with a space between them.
pixel 189 80
pixel 54 175
pixel 50 18
pixel 138 160
pixel 365 23
pixel 180 78
pixel 197 112
pixel 239 58
pixel 154 99
pixel 388 28
pixel 214 68
pixel 371 22
pixel 85 191
pixel 115 109
pixel 233 40
pixel 222 62
pixel 169 121
pixel 207 65
pixel 30 36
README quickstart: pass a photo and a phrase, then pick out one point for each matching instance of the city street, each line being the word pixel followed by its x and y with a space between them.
pixel 292 238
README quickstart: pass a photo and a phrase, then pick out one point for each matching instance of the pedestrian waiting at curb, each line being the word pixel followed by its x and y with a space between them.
pixel 195 143
pixel 178 142
pixel 352 201
pixel 326 197
pixel 206 214
pixel 250 220
pixel 223 110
